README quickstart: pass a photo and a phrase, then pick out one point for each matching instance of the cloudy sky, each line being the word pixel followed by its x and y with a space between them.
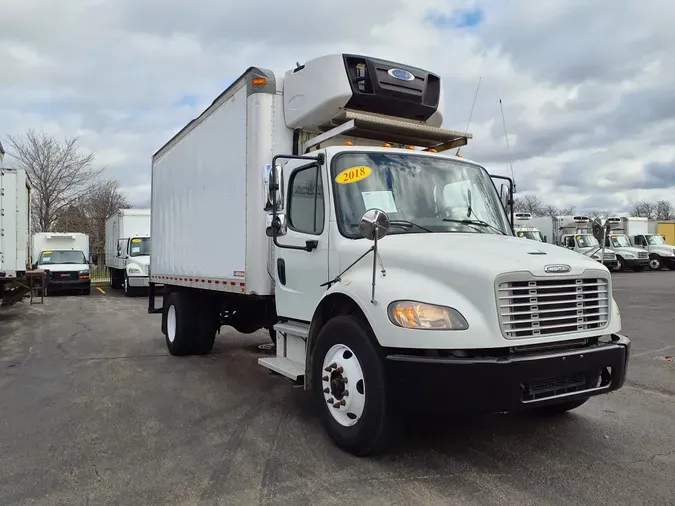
pixel 588 86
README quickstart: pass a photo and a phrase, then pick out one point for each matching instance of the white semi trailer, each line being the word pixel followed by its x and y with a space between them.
pixel 325 204
pixel 15 191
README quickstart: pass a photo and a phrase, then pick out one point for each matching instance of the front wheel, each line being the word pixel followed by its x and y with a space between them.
pixel 350 388
pixel 619 267
pixel 655 263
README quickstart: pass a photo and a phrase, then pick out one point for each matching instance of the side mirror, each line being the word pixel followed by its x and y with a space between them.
pixel 273 190
pixel 505 195
pixel 280 225
pixel 374 224
pixel 545 240
pixel 35 266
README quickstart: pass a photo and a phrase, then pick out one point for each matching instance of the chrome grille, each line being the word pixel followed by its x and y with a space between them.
pixel 549 307
pixel 643 254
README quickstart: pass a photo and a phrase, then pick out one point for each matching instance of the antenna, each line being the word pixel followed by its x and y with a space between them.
pixel 471 112
pixel 508 148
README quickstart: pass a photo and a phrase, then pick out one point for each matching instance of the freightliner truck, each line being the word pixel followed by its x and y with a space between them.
pixel 326 206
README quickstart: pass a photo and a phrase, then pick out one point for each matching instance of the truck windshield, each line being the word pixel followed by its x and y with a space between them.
pixel 656 240
pixel 586 241
pixel 54 257
pixel 535 235
pixel 619 241
pixel 139 246
pixel 420 193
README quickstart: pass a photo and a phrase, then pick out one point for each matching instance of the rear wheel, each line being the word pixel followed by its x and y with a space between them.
pixel 349 387
pixel 655 263
pixel 190 328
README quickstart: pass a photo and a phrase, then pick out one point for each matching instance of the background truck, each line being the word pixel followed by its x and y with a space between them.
pixel 659 252
pixel 524 229
pixel 627 255
pixel 127 249
pixel 326 204
pixel 15 236
pixel 575 233
pixel 65 257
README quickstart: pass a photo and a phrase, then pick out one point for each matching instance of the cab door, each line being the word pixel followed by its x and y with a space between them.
pixel 300 271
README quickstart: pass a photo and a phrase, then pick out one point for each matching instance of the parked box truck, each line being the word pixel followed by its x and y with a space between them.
pixel 65 256
pixel 326 204
pixel 127 249
pixel 660 253
pixel 14 234
pixel 525 229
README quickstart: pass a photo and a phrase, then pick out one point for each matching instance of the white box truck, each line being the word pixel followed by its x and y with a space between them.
pixel 628 256
pixel 14 234
pixel 659 252
pixel 326 204
pixel 524 228
pixel 65 259
pixel 127 249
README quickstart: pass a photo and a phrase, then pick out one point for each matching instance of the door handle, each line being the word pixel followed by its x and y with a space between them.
pixel 281 270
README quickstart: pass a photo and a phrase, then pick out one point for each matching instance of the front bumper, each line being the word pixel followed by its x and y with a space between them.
pixel 68 284
pixel 138 281
pixel 636 262
pixel 514 382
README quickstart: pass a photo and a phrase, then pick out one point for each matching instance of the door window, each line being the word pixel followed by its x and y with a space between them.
pixel 305 201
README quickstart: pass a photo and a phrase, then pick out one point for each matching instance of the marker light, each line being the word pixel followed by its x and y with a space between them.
pixel 259 81
pixel 386 145
pixel 459 156
pixel 349 143
pixel 417 315
pixel 409 146
pixel 431 150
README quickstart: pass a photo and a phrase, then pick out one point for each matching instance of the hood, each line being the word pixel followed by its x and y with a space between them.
pixel 662 249
pixel 630 249
pixel 489 254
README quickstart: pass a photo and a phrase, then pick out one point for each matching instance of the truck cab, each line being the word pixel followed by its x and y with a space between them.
pixel 660 253
pixel 628 257
pixel 575 233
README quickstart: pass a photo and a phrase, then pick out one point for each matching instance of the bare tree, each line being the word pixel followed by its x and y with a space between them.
pixel 103 199
pixel 643 209
pixel 663 210
pixel 528 204
pixel 59 172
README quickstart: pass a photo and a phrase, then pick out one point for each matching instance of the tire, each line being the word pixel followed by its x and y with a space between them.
pixel 558 409
pixel 179 320
pixel 128 290
pixel 620 265
pixel 368 427
pixel 655 263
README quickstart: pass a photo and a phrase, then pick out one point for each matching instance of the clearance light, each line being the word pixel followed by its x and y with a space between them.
pixel 386 145
pixel 459 156
pixel 420 316
pixel 409 147
pixel 349 143
pixel 432 150
pixel 259 81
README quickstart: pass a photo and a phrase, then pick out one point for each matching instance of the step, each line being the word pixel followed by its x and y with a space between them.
pixel 284 366
pixel 294 328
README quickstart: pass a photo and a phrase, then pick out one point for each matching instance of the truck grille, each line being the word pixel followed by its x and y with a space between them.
pixel 643 254
pixel 64 276
pixel 552 307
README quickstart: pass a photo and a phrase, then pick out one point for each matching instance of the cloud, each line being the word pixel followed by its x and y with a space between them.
pixel 586 90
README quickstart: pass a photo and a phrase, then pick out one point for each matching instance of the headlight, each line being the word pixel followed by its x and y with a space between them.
pixel 84 272
pixel 417 315
pixel 596 257
pixel 133 270
pixel 629 255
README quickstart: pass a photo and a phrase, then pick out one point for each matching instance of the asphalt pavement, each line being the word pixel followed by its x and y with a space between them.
pixel 93 410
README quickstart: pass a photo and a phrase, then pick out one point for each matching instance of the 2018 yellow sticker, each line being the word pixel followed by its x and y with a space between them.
pixel 353 174
pixel 135 240
pixel 46 252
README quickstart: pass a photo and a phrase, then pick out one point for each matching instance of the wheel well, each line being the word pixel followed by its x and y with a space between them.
pixel 336 304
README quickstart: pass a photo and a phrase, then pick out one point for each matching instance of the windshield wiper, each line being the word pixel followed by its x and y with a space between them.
pixel 475 222
pixel 406 223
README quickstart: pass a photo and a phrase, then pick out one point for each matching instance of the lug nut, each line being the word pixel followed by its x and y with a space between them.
pixel 325 378
pixel 342 402
pixel 326 390
pixel 345 394
pixel 327 369
pixel 330 401
pixel 333 365
pixel 340 370
pixel 336 406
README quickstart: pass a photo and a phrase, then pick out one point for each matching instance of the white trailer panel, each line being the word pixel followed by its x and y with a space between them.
pixel 208 222
pixel 122 225
pixel 14 221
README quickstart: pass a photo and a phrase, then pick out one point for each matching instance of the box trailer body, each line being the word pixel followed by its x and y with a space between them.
pixel 628 256
pixel 667 230
pixel 127 249
pixel 65 257
pixel 325 206
pixel 14 234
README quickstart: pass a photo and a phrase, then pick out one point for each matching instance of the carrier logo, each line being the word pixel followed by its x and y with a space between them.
pixel 557 269
pixel 401 75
